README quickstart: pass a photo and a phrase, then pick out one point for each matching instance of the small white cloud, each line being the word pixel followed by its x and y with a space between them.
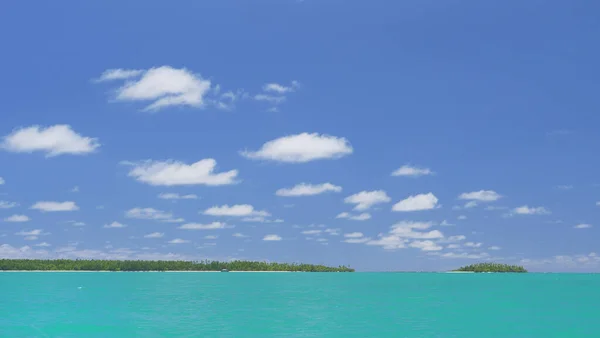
pixel 304 189
pixel 8 205
pixel 453 246
pixel 155 235
pixel 473 245
pixel 495 248
pixel 1 181
pixel 312 232
pixel 366 199
pixel 48 206
pixel 43 244
pixel 165 87
pixel 36 232
pixel 464 255
pixel 357 240
pixel 118 74
pixel 302 148
pixel 54 140
pixel 361 217
pixel 402 232
pixel 426 245
pixel 417 203
pixel 470 204
pixel 175 196
pixel 272 238
pixel 150 213
pixel 354 235
pixel 239 235
pixel 172 173
pixel 481 196
pixel 75 189
pixel 462 217
pixel 198 226
pixel 211 237
pixel 270 98
pixel 280 89
pixel 115 225
pixel 564 187
pixel 446 223
pixel 526 210
pixel 456 238
pixel 583 226
pixel 178 241
pixel 17 218
pixel 493 207
pixel 408 170
pixel 333 232
pixel 238 210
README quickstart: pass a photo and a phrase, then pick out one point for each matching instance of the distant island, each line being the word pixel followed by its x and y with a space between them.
pixel 135 265
pixel 491 267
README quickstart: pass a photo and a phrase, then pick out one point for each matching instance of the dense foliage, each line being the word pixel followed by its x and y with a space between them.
pixel 492 267
pixel 135 265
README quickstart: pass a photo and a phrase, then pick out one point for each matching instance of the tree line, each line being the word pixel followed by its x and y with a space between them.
pixel 139 265
pixel 491 267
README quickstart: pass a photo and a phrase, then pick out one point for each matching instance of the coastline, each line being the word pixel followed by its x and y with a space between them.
pixel 92 271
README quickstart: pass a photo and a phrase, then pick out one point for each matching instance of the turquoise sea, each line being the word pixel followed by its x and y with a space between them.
pixel 38 304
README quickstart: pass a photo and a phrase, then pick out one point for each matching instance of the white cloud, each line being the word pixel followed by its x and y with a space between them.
pixel 473 245
pixel 453 246
pixel 333 232
pixel 462 217
pixel 239 235
pixel 175 196
pixel 238 210
pixel 456 238
pixel 269 98
pixel 261 219
pixel 164 86
pixel 76 224
pixel 43 244
pixel 31 235
pixel 154 235
pixel 417 203
pixel 280 89
pixel 302 148
pixel 464 255
pixel 304 189
pixel 446 223
pixel 178 241
pixel 357 240
pixel 8 205
pixel 75 189
pixel 366 199
pixel 400 234
pixel 583 226
pixel 564 187
pixel 361 217
pixel 408 170
pixel 312 232
pixel 171 173
pixel 272 238
pixel 598 203
pixel 493 207
pixel 152 214
pixel 54 140
pixel 470 204
pixel 526 210
pixel 48 206
pixel 114 225
pixel 17 218
pixel 1 181
pixel 426 245
pixel 481 196
pixel 198 226
pixel 354 235
pixel 494 248
pixel 118 74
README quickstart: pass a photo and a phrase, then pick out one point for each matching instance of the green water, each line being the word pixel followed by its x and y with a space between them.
pixel 299 305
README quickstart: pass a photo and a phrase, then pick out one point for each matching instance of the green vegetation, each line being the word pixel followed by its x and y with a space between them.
pixel 115 265
pixel 491 267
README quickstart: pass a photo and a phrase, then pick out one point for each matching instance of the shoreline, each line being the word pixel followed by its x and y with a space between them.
pixel 92 271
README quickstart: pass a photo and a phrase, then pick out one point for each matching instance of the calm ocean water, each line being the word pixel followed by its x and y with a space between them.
pixel 299 305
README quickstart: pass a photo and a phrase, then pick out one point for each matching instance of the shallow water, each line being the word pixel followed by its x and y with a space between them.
pixel 298 305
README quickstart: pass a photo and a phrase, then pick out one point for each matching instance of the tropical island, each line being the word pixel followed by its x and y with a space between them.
pixel 139 265
pixel 491 267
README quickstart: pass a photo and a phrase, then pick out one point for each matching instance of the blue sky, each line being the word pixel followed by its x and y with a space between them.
pixel 486 112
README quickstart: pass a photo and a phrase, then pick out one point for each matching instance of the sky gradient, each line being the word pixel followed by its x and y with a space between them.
pixel 384 135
